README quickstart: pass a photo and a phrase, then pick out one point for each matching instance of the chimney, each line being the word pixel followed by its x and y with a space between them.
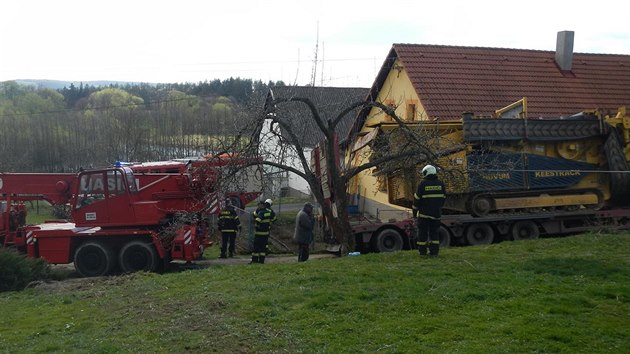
pixel 564 50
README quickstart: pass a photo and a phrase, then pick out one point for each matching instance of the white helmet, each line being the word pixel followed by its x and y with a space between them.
pixel 269 201
pixel 429 170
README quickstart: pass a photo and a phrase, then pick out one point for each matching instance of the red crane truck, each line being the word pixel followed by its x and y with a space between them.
pixel 121 220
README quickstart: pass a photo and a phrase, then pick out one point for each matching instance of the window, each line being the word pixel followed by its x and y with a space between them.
pixel 411 111
pixel 115 184
pixel 389 103
pixel 91 189
pixel 381 183
pixel 131 181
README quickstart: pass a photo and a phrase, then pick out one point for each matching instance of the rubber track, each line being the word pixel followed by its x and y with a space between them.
pixel 619 182
pixel 536 130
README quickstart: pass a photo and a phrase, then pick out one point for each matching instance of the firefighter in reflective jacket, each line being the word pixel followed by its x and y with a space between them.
pixel 229 225
pixel 427 207
pixel 263 217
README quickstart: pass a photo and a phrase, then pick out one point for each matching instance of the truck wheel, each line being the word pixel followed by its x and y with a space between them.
pixel 525 230
pixel 93 259
pixel 388 240
pixel 138 256
pixel 479 234
pixel 445 237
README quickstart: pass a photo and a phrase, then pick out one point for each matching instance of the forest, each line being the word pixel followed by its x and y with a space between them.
pixel 45 130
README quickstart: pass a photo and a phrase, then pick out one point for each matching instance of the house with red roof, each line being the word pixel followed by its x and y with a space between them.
pixel 440 83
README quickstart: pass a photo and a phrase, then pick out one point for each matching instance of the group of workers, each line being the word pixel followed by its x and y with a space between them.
pixel 230 226
pixel 427 210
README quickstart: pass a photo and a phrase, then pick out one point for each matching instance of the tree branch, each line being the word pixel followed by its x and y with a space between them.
pixel 351 172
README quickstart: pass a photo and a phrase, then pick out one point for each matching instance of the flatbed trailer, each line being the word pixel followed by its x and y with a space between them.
pixel 465 229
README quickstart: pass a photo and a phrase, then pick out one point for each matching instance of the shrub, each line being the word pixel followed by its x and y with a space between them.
pixel 17 270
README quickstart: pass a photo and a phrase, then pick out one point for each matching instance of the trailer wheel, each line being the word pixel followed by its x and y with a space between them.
pixel 479 234
pixel 444 236
pixel 525 230
pixel 388 240
pixel 138 256
pixel 93 259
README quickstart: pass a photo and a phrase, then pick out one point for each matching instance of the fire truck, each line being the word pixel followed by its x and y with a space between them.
pixel 121 220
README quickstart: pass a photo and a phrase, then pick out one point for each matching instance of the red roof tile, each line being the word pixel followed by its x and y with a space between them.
pixel 451 80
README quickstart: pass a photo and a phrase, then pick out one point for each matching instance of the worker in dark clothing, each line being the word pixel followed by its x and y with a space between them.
pixel 304 224
pixel 229 225
pixel 427 208
pixel 268 204
pixel 263 217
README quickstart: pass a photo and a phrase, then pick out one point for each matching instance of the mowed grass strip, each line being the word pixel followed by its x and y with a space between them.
pixel 564 295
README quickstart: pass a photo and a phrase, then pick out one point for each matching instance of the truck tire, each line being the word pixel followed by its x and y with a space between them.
pixel 138 256
pixel 388 240
pixel 525 230
pixel 445 236
pixel 479 234
pixel 93 259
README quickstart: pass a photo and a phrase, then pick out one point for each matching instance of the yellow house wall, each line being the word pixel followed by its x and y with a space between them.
pixel 397 90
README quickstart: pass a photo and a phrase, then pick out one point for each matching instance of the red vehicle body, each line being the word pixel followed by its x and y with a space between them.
pixel 121 219
pixel 207 173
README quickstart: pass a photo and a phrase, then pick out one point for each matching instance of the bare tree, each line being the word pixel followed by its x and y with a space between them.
pixel 398 148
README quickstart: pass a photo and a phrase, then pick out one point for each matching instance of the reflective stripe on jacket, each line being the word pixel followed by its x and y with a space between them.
pixel 429 198
pixel 228 220
pixel 262 221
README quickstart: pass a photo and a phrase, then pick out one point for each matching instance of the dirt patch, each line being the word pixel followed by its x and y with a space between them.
pixel 245 259
pixel 283 250
pixel 75 284
pixel 282 246
pixel 281 241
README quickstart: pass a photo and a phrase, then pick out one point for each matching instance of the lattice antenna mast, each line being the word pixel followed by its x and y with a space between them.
pixel 323 58
pixel 314 73
pixel 297 72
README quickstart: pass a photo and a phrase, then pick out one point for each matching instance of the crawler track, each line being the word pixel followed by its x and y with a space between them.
pixel 539 130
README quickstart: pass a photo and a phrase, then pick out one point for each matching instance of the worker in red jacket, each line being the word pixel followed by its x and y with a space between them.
pixel 427 208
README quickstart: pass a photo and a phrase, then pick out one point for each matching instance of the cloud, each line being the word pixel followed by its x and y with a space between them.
pixel 195 40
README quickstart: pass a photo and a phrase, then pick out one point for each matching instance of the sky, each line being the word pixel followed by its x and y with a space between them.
pixel 181 41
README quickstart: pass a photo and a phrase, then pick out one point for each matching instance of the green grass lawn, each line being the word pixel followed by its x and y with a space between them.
pixel 38 212
pixel 563 295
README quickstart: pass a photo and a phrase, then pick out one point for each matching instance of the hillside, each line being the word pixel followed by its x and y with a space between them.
pixel 563 295
pixel 59 84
